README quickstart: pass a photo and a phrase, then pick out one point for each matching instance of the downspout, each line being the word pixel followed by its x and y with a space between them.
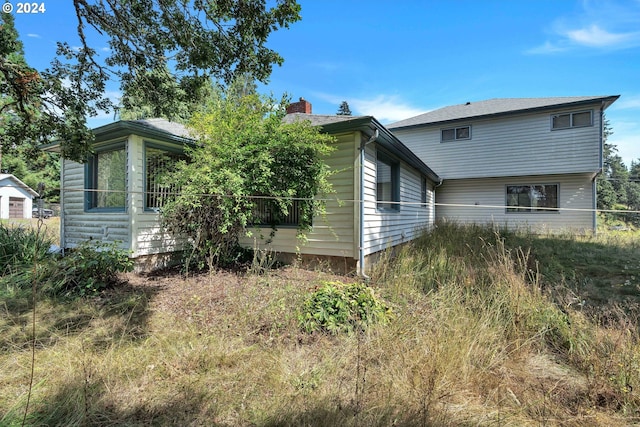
pixel 600 170
pixel 361 202
pixel 434 199
pixel 62 218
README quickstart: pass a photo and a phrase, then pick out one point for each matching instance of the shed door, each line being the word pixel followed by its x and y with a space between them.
pixel 16 207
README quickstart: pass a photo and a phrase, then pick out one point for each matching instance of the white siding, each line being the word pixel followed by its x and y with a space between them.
pixel 147 236
pixel 80 225
pixel 383 229
pixel 513 145
pixel 483 201
pixel 332 235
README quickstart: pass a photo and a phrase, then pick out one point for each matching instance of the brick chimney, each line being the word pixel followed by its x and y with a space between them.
pixel 302 106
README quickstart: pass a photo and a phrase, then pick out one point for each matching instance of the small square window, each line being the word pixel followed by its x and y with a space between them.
pixel 562 121
pixel 462 133
pixel 581 119
pixel 448 134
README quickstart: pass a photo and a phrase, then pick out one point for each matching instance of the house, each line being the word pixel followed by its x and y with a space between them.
pixel 519 162
pixel 16 198
pixel 113 197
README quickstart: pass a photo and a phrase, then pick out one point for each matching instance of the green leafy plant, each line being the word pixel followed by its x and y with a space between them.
pixel 20 247
pixel 337 307
pixel 245 155
pixel 86 270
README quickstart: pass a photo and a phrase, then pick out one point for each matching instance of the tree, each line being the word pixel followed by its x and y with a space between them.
pixel 344 109
pixel 201 40
pixel 246 156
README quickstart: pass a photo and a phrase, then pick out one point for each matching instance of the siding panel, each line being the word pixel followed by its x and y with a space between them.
pixel 509 146
pixel 483 200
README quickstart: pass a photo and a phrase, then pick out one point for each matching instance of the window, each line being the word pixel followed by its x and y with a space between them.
pixel 454 134
pixel 424 190
pixel 106 176
pixel 159 163
pixel 387 183
pixel 571 120
pixel 532 198
pixel 268 213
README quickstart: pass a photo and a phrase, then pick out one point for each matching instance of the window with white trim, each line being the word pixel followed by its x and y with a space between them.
pixel 572 120
pixel 455 134
pixel 532 198
pixel 387 183
pixel 106 178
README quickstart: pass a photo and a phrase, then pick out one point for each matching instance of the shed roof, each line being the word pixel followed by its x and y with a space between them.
pixel 499 106
pixel 17 183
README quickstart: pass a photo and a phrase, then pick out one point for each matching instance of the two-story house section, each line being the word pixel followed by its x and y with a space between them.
pixel 517 162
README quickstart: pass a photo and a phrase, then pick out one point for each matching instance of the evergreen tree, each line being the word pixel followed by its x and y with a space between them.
pixel 344 109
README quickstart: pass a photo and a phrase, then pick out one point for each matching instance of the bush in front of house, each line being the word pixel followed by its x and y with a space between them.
pixel 338 307
pixel 85 270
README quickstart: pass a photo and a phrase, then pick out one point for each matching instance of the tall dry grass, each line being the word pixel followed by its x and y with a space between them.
pixel 476 339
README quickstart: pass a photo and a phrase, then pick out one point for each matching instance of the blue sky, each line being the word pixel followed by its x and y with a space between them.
pixel 397 59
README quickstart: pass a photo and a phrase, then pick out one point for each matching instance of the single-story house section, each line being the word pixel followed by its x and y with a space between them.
pixel 396 189
pixel 113 196
pixel 16 198
pixel 519 162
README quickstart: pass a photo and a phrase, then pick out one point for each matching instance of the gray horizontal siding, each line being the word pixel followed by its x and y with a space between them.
pixel 483 200
pixel 509 146
pixel 382 229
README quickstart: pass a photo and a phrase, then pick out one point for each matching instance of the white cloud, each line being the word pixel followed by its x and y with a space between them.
pixel 594 36
pixel 33 35
pixel 627 102
pixel 385 108
pixel 599 25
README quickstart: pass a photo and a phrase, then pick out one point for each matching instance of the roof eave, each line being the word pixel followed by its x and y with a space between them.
pixel 605 100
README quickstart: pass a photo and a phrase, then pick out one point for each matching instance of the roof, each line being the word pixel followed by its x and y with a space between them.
pixel 149 128
pixel 498 107
pixel 370 127
pixel 19 184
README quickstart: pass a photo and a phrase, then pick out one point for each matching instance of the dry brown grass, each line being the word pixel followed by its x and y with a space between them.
pixel 484 346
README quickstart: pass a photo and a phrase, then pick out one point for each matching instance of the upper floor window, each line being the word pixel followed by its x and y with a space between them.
pixel 572 120
pixel 454 134
pixel 532 198
pixel 159 163
pixel 387 183
pixel 106 178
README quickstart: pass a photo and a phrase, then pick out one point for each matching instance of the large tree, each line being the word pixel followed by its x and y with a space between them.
pixel 160 50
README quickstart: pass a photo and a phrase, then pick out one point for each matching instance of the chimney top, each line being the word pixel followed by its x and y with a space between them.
pixel 302 106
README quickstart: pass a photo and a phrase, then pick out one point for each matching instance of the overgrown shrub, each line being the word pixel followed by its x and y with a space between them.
pixel 86 270
pixel 337 307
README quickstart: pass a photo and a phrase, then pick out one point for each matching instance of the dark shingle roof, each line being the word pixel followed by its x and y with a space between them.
pixel 164 126
pixel 498 106
pixel 319 119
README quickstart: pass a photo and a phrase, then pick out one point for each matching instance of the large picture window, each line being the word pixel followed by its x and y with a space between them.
pixel 387 183
pixel 532 198
pixel 106 173
pixel 159 163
